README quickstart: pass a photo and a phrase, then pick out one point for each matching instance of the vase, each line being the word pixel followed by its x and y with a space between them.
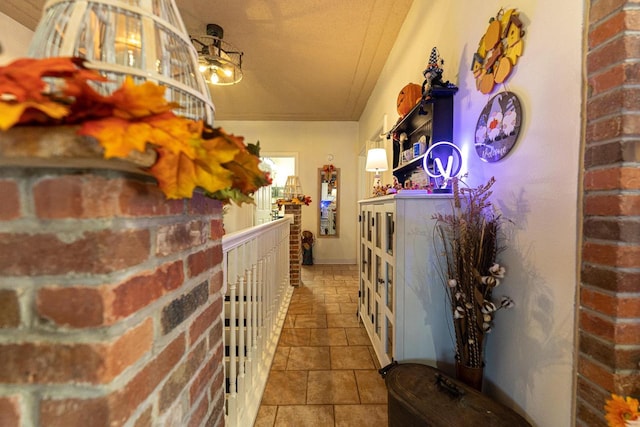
pixel 469 375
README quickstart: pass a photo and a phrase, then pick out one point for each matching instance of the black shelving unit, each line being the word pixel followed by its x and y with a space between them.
pixel 433 120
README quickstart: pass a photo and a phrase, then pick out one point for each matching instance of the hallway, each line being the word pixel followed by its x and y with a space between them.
pixel 324 372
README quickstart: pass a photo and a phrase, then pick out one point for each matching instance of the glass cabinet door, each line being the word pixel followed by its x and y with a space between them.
pixel 390 229
pixel 378 227
pixel 390 290
pixel 379 279
pixel 389 343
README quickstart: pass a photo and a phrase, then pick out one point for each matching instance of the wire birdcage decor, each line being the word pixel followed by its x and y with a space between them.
pixel 292 188
pixel 144 39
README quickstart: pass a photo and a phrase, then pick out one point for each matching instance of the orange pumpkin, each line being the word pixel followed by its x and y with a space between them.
pixel 408 98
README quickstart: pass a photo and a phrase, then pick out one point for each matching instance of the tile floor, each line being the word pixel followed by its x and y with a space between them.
pixel 325 372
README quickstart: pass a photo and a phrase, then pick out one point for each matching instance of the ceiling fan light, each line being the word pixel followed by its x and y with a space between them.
pixel 218 55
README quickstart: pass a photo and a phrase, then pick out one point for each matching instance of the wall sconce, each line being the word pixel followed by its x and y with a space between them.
pixel 376 162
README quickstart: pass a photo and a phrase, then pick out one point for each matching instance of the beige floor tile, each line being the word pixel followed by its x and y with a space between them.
pixel 285 388
pixel 300 307
pixel 343 320
pixel 361 416
pixel 332 387
pixel 337 298
pixel 303 290
pixel 294 337
pixel 343 276
pixel 374 357
pixel 327 358
pixel 289 321
pixel 351 357
pixel 305 416
pixel 357 336
pixel 324 290
pixel 307 358
pixel 371 386
pixel 346 289
pixel 326 307
pixel 328 337
pixel 266 416
pixel 349 308
pixel 310 321
pixel 280 358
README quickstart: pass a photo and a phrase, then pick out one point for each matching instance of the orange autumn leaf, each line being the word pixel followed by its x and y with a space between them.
pixel 23 78
pixel 247 176
pixel 189 156
pixel 117 136
pixel 174 133
pixel 22 88
pixel 178 175
pixel 135 101
pixel 12 113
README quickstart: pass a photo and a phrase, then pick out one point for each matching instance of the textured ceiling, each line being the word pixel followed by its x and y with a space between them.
pixel 303 59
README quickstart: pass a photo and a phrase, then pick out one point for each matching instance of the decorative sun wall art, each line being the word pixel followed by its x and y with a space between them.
pixel 498 127
pixel 498 51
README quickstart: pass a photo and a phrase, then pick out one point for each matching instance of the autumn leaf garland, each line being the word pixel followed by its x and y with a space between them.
pixel 55 91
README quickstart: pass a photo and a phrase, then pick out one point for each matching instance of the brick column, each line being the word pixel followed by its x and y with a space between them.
pixel 609 315
pixel 295 243
pixel 110 302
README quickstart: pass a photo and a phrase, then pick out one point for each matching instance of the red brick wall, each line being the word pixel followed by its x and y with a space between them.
pixel 609 316
pixel 295 243
pixel 110 302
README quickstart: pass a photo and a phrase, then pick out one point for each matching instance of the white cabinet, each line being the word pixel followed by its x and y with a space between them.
pixel 402 301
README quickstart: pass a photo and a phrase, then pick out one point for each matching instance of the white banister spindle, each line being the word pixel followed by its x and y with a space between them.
pixel 233 284
pixel 256 277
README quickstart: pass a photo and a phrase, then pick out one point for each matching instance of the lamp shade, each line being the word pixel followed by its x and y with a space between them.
pixel 376 160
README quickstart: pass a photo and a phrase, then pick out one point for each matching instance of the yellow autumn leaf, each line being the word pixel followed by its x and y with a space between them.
pixel 173 133
pixel 212 177
pixel 136 101
pixel 118 136
pixel 218 149
pixel 175 173
pixel 12 113
pixel 179 175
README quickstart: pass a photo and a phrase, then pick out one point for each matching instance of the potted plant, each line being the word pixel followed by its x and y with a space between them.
pixel 469 239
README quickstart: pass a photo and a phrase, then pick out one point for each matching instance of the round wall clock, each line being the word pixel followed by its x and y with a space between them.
pixel 498 126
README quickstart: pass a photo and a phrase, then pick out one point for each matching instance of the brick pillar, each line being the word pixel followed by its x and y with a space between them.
pixel 110 301
pixel 609 315
pixel 295 243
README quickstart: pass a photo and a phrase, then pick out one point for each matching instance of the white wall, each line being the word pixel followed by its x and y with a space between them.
pixel 314 142
pixel 14 38
pixel 529 363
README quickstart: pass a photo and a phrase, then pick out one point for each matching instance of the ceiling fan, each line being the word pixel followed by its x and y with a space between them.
pixel 218 60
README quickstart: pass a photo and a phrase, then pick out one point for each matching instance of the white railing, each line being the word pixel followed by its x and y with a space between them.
pixel 257 295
